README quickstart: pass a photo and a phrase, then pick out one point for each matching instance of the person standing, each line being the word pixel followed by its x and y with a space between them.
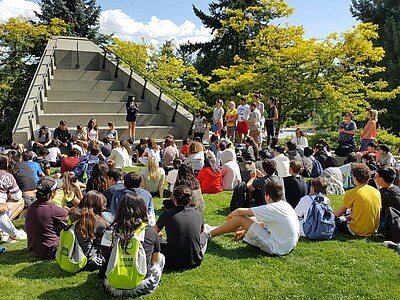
pixel 261 108
pixel 254 122
pixel 369 133
pixel 131 116
pixel 218 116
pixel 272 117
pixel 200 125
pixel 230 119
pixel 243 113
pixel 347 130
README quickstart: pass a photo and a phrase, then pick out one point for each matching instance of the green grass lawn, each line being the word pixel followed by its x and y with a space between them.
pixel 345 268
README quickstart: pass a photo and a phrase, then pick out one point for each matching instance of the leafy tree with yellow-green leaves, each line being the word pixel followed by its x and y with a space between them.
pixel 306 75
pixel 22 42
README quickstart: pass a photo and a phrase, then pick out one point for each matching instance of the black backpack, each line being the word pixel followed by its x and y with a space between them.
pixel 240 197
pixel 392 225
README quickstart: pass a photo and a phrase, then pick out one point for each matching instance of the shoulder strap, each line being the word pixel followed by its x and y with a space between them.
pixel 138 230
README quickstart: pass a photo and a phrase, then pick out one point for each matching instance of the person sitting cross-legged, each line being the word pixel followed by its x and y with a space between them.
pixel 364 201
pixel 295 186
pixel 274 227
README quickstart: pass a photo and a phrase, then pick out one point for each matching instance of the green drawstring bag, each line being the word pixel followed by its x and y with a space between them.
pixel 127 270
pixel 69 254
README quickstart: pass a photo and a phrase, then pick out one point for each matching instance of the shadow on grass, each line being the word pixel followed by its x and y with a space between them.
pixel 344 237
pixel 45 269
pixel 14 257
pixel 243 250
pixel 90 289
pixel 223 211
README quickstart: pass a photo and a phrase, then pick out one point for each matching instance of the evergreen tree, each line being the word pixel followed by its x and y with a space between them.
pixel 386 14
pixel 83 14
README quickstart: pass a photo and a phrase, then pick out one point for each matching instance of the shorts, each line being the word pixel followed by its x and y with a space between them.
pixel 260 237
pixel 131 117
pixel 230 131
pixel 242 128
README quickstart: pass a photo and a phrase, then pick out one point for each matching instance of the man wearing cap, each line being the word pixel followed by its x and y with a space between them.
pixel 42 138
pixel 62 136
pixel 43 218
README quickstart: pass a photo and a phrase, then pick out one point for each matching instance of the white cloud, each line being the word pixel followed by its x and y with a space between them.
pixel 16 8
pixel 156 31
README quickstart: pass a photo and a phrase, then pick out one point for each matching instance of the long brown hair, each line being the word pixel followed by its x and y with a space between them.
pixel 90 209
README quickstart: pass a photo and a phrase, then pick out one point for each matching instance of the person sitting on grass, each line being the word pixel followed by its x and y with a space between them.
pixel 210 177
pixel 346 170
pixel 43 219
pixel 11 204
pixel 282 161
pixel 364 201
pixel 90 227
pixel 36 168
pixel 153 178
pixel 385 158
pixel 318 186
pixel 274 227
pixel 43 162
pixel 186 242
pixel 132 182
pixel 371 150
pixel 66 193
pixel 132 214
pixel 295 186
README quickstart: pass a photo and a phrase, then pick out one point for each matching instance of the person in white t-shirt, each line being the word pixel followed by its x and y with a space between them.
pixel 318 186
pixel 274 227
pixel 218 115
pixel 282 161
pixel 243 114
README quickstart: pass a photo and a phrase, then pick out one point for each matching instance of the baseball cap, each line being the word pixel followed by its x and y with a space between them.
pixel 48 184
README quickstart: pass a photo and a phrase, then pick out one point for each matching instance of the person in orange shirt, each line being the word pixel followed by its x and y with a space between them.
pixel 185 147
pixel 369 133
pixel 210 177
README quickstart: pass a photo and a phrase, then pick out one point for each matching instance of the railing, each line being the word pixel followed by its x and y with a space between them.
pixel 42 89
pixel 147 79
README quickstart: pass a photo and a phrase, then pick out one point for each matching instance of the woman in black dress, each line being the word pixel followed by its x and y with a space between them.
pixel 131 115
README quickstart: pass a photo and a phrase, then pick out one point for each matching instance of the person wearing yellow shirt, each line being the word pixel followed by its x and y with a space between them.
pixel 364 202
pixel 230 119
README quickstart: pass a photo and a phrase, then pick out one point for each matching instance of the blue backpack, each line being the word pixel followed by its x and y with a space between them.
pixel 84 168
pixel 320 222
pixel 316 169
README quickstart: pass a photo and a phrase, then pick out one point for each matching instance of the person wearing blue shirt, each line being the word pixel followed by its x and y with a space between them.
pixel 132 182
pixel 36 168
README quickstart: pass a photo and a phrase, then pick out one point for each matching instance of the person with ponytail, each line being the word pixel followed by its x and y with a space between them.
pixel 186 242
pixel 66 194
pixel 131 214
pixel 90 226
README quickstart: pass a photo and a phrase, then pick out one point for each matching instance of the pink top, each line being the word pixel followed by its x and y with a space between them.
pixel 372 134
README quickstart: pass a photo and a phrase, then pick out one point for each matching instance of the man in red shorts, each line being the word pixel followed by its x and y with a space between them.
pixel 243 113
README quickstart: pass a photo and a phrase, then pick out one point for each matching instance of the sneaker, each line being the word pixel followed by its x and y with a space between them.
pixel 391 245
pixel 207 230
pixel 2 249
pixel 20 234
pixel 11 240
pixel 4 236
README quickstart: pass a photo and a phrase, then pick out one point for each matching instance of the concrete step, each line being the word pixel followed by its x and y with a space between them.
pixel 91 107
pixel 101 96
pixel 72 119
pixel 86 85
pixel 156 132
pixel 64 74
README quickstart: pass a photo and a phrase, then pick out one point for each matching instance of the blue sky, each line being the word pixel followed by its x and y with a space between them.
pixel 160 20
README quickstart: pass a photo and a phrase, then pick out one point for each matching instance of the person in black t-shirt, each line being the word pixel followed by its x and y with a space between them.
pixel 390 193
pixel 271 118
pixel 295 186
pixel 186 241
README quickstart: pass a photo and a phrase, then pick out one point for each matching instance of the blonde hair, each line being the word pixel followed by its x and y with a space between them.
pixel 115 144
pixel 195 147
pixel 154 170
pixel 374 114
pixel 232 103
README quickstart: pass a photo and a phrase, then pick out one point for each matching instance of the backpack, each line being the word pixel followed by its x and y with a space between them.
pixel 392 225
pixel 239 197
pixel 69 254
pixel 127 271
pixel 320 222
pixel 84 168
pixel 316 169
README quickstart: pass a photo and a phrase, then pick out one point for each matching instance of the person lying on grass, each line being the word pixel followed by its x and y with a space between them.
pixel 274 227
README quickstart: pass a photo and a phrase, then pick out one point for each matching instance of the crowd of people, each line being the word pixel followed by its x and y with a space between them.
pixel 103 200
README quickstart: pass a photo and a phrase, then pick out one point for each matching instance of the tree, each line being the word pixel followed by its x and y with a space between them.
pixel 226 17
pixel 386 14
pixel 171 72
pixel 83 14
pixel 327 76
pixel 21 44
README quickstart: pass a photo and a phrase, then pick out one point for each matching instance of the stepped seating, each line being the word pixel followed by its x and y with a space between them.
pixel 83 86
